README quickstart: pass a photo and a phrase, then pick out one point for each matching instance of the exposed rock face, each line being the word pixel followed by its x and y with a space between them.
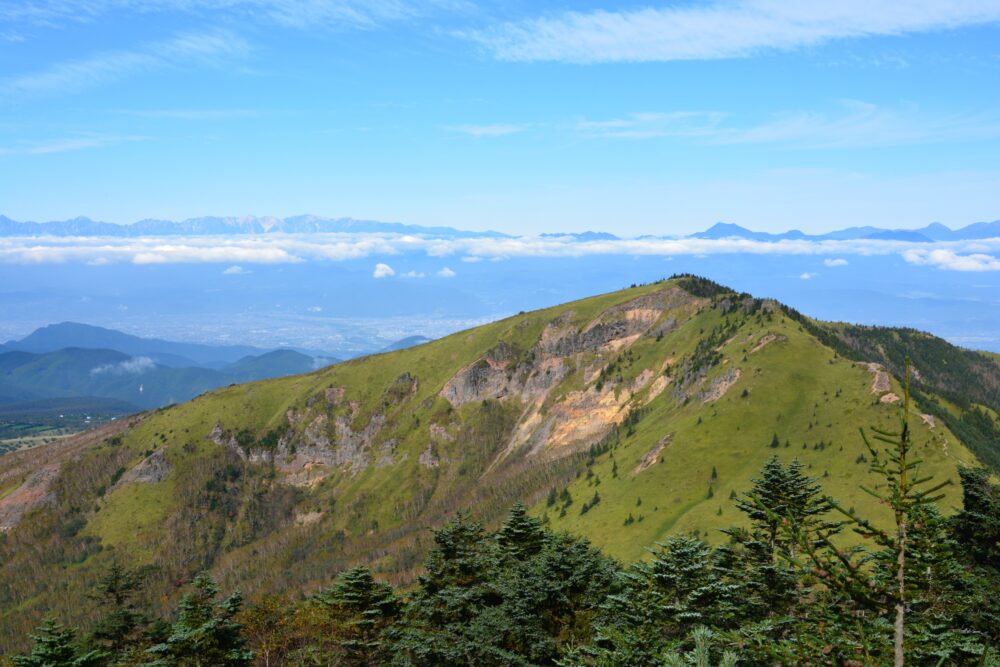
pixel 307 518
pixel 26 481
pixel 385 453
pixel 151 470
pixel 353 447
pixel 403 387
pixel 720 385
pixel 428 458
pixel 653 455
pixel 33 492
pixel 334 396
pixel 765 340
pixel 581 417
pixel 308 458
pixel 880 382
pixel 440 433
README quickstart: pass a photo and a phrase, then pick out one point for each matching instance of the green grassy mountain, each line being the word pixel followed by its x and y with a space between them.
pixel 625 418
pixel 139 380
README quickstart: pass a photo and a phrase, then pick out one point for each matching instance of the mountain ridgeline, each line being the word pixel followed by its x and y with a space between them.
pixel 624 418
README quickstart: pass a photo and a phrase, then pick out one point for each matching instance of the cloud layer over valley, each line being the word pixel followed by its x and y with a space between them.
pixel 970 256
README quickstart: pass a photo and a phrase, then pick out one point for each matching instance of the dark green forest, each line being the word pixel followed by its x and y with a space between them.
pixel 806 582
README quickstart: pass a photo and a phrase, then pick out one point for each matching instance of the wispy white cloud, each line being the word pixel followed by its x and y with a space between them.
pixel 808 276
pixel 719 29
pixel 834 262
pixel 854 124
pixel 383 271
pixel 181 50
pixel 654 124
pixel 413 274
pixel 944 258
pixel 496 130
pixel 133 366
pixel 291 13
pixel 67 144
pixel 446 273
pixel 235 270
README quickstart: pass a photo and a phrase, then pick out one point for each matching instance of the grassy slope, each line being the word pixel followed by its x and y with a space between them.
pixel 794 396
pixel 381 514
pixel 135 514
pixel 796 386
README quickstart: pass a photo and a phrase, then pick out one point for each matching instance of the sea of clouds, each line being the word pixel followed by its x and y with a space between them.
pixel 968 256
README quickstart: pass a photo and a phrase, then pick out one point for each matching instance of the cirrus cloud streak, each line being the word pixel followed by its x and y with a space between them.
pixel 716 30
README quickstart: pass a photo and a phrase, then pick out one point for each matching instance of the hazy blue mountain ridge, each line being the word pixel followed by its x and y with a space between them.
pixel 207 226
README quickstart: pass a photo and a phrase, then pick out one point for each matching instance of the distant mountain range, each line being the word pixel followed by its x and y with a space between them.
pixel 306 224
pixel 70 360
pixel 409 341
pixel 79 360
pixel 932 232
pixel 139 381
pixel 166 353
pixel 210 226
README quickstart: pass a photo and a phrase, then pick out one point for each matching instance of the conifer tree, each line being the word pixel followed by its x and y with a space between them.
pixel 521 536
pixel 978 524
pixel 701 655
pixel 121 631
pixel 361 609
pixel 437 628
pixel 780 494
pixel 660 603
pixel 54 647
pixel 205 633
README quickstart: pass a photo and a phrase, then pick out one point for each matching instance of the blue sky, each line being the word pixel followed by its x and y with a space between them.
pixel 520 116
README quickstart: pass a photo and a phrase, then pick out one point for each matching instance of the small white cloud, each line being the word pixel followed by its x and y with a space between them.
pixel 447 273
pixel 133 366
pixel 383 271
pixel 952 261
pixel 315 309
pixel 413 274
pixel 839 261
pixel 808 276
pixel 472 259
pixel 235 270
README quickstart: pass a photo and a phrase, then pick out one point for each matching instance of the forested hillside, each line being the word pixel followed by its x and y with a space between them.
pixel 782 590
pixel 626 419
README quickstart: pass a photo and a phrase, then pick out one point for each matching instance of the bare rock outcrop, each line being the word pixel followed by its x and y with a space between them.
pixel 32 493
pixel 151 470
pixel 881 382
pixel 653 455
pixel 720 385
pixel 429 458
pixel 440 433
pixel 766 340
